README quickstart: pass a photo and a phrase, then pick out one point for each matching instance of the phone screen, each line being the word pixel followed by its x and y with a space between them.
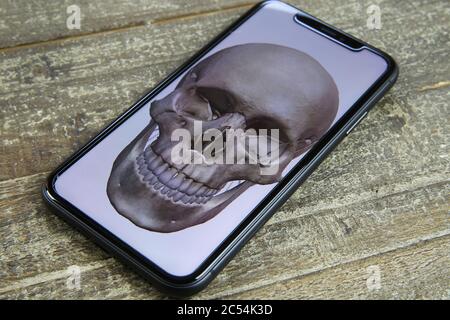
pixel 167 184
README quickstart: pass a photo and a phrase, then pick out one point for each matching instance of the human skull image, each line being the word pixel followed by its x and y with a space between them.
pixel 249 86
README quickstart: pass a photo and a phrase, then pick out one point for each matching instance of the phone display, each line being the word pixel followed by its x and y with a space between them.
pixel 164 182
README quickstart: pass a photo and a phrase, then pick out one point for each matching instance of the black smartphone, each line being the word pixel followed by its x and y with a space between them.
pixel 179 183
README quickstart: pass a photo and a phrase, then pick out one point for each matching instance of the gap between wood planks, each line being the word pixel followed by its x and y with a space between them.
pixel 128 27
pixel 435 86
pixel 202 13
pixel 55 275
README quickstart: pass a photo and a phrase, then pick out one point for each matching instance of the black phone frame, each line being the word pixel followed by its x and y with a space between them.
pixel 187 285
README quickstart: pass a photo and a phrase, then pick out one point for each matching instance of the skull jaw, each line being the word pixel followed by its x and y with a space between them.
pixel 145 207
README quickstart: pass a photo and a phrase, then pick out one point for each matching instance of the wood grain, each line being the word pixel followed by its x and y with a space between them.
pixel 33 22
pixel 382 198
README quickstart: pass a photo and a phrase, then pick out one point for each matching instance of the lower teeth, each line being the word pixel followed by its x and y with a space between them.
pixel 176 195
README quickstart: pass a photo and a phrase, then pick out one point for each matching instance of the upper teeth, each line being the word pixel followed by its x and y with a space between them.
pixel 169 182
pixel 153 136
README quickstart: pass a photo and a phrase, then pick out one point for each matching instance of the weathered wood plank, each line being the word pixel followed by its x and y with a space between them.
pixel 398 271
pixel 399 278
pixel 30 22
pixel 382 193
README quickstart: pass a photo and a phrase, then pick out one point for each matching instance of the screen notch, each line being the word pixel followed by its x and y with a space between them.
pixel 328 31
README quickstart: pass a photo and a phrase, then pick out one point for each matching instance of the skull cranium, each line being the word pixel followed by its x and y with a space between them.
pixel 258 86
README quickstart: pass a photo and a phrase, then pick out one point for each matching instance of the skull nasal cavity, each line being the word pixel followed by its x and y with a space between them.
pixel 192 105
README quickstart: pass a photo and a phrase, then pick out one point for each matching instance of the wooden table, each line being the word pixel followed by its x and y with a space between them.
pixel 371 222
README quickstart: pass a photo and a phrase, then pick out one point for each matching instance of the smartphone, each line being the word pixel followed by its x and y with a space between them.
pixel 177 184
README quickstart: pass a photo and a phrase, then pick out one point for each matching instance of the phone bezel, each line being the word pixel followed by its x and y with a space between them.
pixel 126 252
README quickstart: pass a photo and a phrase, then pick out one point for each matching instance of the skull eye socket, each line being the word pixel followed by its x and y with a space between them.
pixel 259 123
pixel 220 101
pixel 213 109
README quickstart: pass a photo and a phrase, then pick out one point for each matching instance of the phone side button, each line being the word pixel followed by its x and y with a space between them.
pixel 356 123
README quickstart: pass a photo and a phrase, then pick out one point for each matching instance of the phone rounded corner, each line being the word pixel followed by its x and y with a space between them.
pixel 174 289
pixel 48 187
pixel 265 3
pixel 393 68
